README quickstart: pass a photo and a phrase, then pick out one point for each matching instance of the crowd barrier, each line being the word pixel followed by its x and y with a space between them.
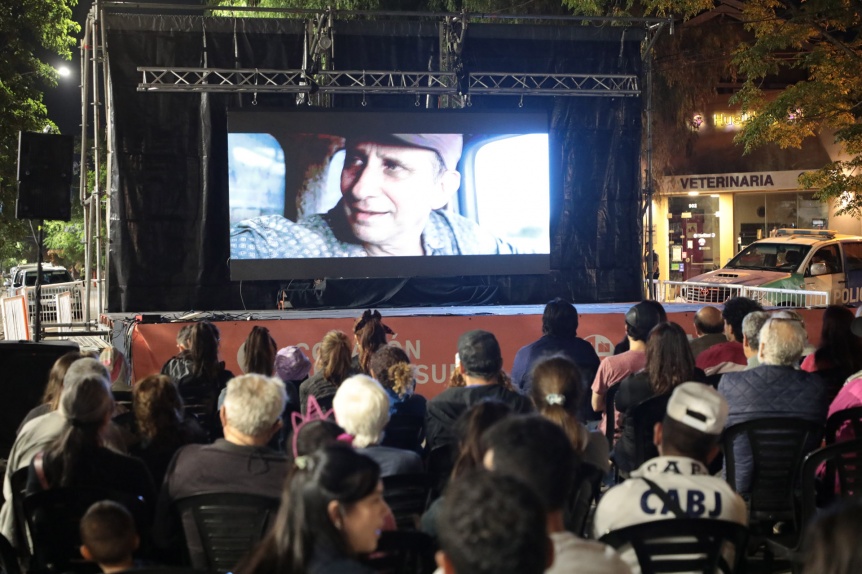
pixel 694 292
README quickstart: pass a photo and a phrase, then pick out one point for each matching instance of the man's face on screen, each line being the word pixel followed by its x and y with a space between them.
pixel 389 192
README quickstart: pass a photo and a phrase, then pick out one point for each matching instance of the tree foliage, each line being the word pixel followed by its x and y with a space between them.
pixel 29 29
pixel 822 39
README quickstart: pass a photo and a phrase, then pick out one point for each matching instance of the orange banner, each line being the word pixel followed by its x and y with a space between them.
pixel 430 341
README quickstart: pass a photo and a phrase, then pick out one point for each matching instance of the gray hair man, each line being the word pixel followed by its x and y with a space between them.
pixel 751 326
pixel 774 389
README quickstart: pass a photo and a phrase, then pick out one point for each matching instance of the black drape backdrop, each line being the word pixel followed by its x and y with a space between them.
pixel 169 220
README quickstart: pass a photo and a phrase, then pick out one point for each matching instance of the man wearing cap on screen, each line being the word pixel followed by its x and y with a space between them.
pixel 394 188
pixel 677 482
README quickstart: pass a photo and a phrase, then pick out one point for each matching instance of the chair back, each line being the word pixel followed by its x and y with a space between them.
pixel 18 482
pixel 8 557
pixel 407 552
pixel 683 545
pixel 408 496
pixel 222 527
pixel 53 518
pixel 585 490
pixel 644 417
pixel 610 413
pixel 777 448
pixel 851 417
pixel 842 477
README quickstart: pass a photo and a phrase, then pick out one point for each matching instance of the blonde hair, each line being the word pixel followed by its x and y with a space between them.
pixel 334 357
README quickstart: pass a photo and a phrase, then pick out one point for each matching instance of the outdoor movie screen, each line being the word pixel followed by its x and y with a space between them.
pixel 332 193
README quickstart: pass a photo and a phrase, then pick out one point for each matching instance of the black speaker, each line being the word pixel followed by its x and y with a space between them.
pixel 44 176
pixel 25 366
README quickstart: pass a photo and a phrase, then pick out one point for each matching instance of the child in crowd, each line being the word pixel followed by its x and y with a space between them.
pixel 108 536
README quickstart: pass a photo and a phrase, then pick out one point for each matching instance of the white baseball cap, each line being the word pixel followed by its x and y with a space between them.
pixel 699 406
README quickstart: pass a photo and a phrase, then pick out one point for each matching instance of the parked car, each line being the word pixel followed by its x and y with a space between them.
pixel 799 259
pixel 25 276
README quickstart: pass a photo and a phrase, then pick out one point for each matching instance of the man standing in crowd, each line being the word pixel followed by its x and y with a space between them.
pixel 537 452
pixel 709 327
pixel 774 389
pixel 559 337
pixel 687 441
pixel 492 524
pixel 394 190
pixel 640 320
pixel 479 363
pixel 731 351
pixel 240 462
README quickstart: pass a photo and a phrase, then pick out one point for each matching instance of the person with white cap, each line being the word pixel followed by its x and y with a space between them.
pixel 687 441
pixel 394 188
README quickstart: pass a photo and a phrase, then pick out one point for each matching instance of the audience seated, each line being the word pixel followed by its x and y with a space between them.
pixel 108 537
pixel 391 367
pixel 313 435
pixel 640 320
pixel 77 457
pixel 832 541
pixel 722 357
pixel 537 452
pixel 334 364
pixel 840 352
pixel 240 462
pixel 708 329
pixel 479 376
pixel 198 373
pixel 40 432
pixel 361 408
pixel 51 396
pixel 774 389
pixel 370 333
pixel 468 429
pixel 751 326
pixel 624 345
pixel 332 509
pixel 556 392
pixel 162 425
pixel 492 524
pixel 117 366
pixel 687 441
pixel 559 337
pixel 669 363
pixel 292 366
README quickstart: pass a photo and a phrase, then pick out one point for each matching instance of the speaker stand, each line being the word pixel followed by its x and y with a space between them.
pixel 37 291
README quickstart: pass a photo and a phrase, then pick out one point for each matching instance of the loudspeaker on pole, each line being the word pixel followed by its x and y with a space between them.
pixel 44 176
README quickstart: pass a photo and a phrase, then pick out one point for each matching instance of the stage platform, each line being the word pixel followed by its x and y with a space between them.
pixel 428 334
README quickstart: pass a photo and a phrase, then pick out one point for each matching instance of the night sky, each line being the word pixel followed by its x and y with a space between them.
pixel 64 100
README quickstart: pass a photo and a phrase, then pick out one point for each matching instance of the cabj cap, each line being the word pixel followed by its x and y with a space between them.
pixel 698 406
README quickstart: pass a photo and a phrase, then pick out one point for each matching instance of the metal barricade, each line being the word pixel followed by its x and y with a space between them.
pixel 718 293
pixel 62 303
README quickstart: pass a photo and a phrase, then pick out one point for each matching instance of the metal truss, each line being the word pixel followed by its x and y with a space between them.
pixel 384 82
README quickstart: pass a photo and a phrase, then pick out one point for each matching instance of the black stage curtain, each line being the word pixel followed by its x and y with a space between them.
pixel 169 203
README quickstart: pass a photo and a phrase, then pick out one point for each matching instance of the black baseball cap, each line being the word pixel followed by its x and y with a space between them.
pixel 641 319
pixel 479 353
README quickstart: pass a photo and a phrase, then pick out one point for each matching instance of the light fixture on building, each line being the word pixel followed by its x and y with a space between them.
pixel 714 195
pixel 696 121
pixel 693 193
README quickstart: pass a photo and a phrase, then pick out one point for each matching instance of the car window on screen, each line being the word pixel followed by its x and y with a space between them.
pixel 257 175
pixel 513 190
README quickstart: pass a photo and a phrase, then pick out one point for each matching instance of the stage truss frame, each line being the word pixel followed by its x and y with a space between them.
pixel 452 84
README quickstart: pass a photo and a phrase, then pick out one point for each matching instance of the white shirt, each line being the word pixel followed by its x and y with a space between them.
pixel 699 494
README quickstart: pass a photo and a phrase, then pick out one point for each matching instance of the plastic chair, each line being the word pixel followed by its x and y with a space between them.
pixel 835 423
pixel 842 479
pixel 407 495
pixel 683 545
pixel 610 413
pixel 777 448
pixel 585 490
pixel 644 417
pixel 403 553
pixel 53 518
pixel 222 527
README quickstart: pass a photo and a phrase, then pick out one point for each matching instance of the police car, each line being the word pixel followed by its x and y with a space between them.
pixel 809 259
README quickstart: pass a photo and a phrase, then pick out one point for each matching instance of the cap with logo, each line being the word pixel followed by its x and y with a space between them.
pixel 698 406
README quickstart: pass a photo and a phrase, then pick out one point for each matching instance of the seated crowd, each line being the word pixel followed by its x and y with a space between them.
pixel 517 473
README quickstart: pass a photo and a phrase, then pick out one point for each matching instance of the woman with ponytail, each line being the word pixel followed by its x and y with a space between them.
pixel 406 428
pixel 370 334
pixel 78 457
pixel 332 511
pixel 333 365
pixel 556 392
